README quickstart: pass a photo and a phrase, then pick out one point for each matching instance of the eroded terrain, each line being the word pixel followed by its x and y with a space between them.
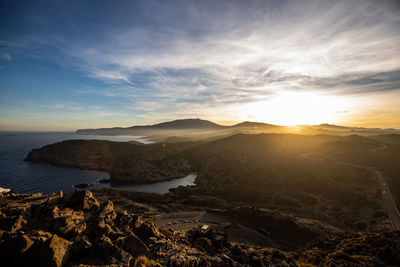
pixel 127 228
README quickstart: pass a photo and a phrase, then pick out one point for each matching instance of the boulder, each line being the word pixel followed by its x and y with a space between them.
pixel 147 230
pixel 34 250
pixel 55 251
pixel 12 223
pixel 106 229
pixel 81 251
pixel 67 222
pixel 203 244
pixel 134 245
pixel 40 235
pixel 127 221
pixel 111 253
pixel 143 261
pixel 16 245
pixel 107 212
pixel 82 200
pixel 181 259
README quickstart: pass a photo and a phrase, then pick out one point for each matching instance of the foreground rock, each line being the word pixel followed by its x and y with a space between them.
pixel 355 249
pixel 78 229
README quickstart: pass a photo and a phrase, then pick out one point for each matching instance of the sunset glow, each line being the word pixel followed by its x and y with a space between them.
pixel 293 108
pixel 281 62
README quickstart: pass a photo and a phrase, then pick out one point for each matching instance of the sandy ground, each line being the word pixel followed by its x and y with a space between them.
pixel 186 220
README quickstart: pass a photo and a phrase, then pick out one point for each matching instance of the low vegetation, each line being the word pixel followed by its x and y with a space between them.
pixel 312 176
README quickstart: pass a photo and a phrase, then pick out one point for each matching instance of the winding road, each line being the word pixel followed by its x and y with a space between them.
pixel 388 201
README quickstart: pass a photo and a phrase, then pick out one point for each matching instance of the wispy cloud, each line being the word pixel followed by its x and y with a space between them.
pixel 195 56
pixel 277 46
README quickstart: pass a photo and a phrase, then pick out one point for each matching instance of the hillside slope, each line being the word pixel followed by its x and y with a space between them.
pixel 296 173
pixel 126 162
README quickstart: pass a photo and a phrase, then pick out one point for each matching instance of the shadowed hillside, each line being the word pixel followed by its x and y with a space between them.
pixel 126 162
pixel 311 176
pixel 288 173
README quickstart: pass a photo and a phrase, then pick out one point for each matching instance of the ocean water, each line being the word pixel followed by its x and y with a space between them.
pixel 30 177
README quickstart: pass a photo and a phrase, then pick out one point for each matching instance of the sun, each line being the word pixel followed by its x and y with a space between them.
pixel 294 108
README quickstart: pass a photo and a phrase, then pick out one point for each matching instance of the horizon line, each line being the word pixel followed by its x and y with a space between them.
pixel 218 123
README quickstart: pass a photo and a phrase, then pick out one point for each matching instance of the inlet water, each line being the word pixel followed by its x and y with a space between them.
pixel 30 177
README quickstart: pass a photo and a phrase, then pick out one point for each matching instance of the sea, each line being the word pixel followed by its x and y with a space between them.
pixel 28 177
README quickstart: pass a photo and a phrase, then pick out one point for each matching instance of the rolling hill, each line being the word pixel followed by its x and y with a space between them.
pixel 313 176
pixel 197 129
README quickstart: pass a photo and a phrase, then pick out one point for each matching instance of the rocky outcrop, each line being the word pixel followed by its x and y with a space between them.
pixel 78 229
pixel 69 230
pixel 82 200
pixel 91 155
pixel 126 162
pixel 35 249
pixel 354 249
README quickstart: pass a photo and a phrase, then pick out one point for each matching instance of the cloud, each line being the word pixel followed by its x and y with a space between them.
pixel 358 83
pixel 276 47
pixel 178 57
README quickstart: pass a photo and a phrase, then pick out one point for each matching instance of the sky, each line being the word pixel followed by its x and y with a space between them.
pixel 66 65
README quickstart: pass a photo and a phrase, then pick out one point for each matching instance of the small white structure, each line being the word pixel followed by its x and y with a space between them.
pixel 204 227
pixel 4 190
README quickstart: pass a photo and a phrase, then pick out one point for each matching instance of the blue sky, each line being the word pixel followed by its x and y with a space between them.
pixel 78 64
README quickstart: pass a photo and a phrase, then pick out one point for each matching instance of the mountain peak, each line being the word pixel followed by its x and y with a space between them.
pixel 187 124
pixel 253 124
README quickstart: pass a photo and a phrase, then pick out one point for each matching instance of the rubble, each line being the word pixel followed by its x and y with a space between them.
pixel 77 229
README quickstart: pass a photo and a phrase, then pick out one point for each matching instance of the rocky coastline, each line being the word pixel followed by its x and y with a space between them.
pixel 126 162
pixel 87 229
